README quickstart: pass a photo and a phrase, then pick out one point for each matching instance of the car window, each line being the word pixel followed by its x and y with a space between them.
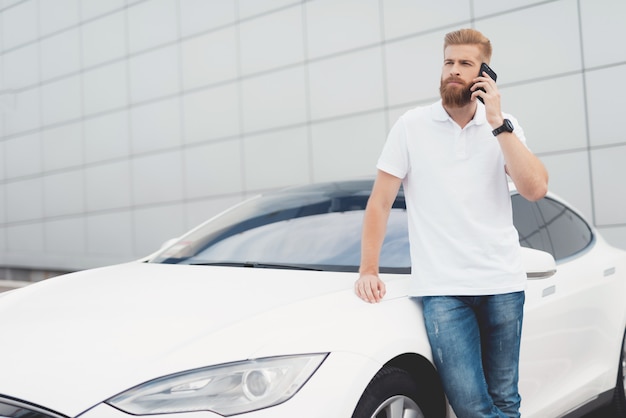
pixel 568 232
pixel 309 227
pixel 549 226
pixel 319 226
pixel 527 220
pixel 328 240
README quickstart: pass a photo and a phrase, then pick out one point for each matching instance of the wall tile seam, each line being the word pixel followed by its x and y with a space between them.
pixel 83 150
pixel 168 44
pixel 236 22
pixel 129 158
pixel 40 120
pixel 50 250
pixel 307 61
pixel 196 144
pixel 472 21
pixel 307 94
pixel 130 5
pixel 304 63
pixel 87 70
pixel 181 114
pixel 590 149
pixel 240 110
pixel 514 9
pixel 103 163
pixel 86 214
pixel 226 138
pixel 385 41
pixel 186 145
pixel 128 119
pixel 195 90
pixel 17 3
pixel 186 92
pixel 57 32
pixel 130 56
pixel 128 108
pixel 182 92
pixel 63 262
pixel 383 63
pixel 585 98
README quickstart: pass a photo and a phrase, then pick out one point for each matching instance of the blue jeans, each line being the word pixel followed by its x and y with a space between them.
pixel 475 342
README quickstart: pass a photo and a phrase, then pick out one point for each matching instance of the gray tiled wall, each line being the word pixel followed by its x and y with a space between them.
pixel 123 123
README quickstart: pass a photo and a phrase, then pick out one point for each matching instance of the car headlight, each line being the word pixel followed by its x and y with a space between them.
pixel 227 389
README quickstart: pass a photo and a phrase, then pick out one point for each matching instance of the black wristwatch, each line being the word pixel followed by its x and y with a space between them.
pixel 507 126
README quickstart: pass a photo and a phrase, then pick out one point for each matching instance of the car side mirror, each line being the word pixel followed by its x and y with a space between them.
pixel 538 264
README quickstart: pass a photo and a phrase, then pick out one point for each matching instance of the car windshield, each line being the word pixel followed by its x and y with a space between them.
pixel 311 227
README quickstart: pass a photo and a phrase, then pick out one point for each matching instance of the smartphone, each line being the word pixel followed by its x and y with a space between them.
pixel 487 69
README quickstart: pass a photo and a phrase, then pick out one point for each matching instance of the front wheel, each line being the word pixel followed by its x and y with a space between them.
pixel 392 393
pixel 619 398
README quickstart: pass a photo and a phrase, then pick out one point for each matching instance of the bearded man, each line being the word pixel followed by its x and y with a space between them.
pixel 453 158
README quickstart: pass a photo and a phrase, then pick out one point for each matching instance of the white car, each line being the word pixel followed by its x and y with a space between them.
pixel 253 314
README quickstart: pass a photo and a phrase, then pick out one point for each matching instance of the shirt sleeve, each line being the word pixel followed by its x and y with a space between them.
pixel 394 158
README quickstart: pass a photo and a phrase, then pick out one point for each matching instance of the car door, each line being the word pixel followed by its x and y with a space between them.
pixel 566 328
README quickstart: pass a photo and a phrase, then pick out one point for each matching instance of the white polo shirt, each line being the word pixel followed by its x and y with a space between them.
pixel 461 232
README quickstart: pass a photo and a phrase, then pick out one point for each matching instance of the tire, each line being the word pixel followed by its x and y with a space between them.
pixel 392 393
pixel 619 397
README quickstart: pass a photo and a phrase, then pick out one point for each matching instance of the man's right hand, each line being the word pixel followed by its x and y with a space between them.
pixel 370 288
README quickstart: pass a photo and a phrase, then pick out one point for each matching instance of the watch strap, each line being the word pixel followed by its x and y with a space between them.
pixel 506 126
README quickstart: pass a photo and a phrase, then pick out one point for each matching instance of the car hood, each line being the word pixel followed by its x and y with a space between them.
pixel 72 342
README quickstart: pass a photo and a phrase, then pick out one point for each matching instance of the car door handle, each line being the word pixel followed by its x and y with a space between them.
pixel 609 271
pixel 537 275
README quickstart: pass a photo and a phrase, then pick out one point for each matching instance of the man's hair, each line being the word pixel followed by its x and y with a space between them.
pixel 470 37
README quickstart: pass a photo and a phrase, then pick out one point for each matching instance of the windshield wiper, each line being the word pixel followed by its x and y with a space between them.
pixel 258 265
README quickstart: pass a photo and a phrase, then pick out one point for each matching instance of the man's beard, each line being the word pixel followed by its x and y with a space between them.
pixel 454 95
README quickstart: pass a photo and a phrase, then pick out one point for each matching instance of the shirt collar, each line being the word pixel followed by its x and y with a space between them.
pixel 439 114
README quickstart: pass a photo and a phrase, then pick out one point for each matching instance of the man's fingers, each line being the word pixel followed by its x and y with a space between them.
pixel 382 289
pixel 370 291
pixel 366 292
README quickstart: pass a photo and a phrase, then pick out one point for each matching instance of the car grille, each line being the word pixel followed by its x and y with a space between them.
pixel 12 408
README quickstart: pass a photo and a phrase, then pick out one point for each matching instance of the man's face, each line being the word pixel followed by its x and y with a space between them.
pixel 461 65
